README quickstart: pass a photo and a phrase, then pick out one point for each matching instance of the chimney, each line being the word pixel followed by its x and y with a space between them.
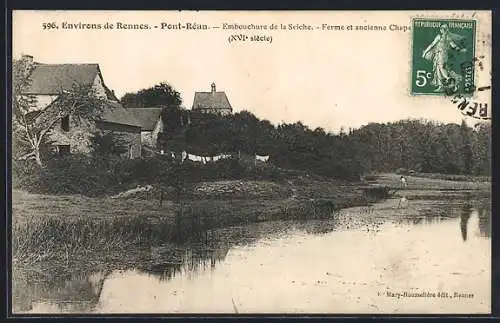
pixel 213 88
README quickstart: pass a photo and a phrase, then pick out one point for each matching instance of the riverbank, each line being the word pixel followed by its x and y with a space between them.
pixel 60 227
pixel 63 236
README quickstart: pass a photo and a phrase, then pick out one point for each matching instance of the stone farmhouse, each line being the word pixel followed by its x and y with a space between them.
pixel 48 80
pixel 151 124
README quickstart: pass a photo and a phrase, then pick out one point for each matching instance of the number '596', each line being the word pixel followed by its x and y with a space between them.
pixel 422 78
pixel 49 25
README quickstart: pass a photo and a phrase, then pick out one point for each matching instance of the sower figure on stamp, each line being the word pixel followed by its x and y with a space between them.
pixel 439 52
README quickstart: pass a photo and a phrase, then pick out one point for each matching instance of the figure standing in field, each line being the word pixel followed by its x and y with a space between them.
pixel 403 182
pixel 439 53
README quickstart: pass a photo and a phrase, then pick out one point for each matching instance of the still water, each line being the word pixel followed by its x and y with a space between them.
pixel 360 261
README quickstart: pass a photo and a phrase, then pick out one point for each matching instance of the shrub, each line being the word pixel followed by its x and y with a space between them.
pixel 371 177
pixel 24 173
pixel 142 171
pixel 73 174
pixel 402 171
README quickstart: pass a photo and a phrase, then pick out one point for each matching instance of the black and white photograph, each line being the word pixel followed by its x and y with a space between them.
pixel 251 162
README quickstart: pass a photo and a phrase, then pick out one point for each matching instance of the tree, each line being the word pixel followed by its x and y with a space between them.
pixel 173 119
pixel 482 149
pixel 32 125
pixel 162 94
pixel 467 153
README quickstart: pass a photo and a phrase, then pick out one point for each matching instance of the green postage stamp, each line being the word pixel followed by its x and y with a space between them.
pixel 443 56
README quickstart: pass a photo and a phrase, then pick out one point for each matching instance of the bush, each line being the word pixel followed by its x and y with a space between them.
pixel 142 171
pixel 402 171
pixel 222 169
pixel 23 173
pixel 371 178
pixel 73 175
pixel 340 170
pixel 99 176
pixel 329 166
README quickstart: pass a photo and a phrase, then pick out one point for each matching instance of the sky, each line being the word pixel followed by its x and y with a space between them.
pixel 323 78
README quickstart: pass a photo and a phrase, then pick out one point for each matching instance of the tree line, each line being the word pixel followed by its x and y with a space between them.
pixel 419 145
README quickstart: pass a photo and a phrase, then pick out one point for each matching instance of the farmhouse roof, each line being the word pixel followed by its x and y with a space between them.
pixel 116 113
pixel 49 79
pixel 148 117
pixel 52 78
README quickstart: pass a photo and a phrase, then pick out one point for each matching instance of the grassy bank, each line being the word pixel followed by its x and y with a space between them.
pixel 453 177
pixel 436 189
pixel 74 226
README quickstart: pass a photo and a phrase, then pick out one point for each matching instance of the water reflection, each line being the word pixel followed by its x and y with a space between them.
pixel 298 257
pixel 484 214
pixel 71 293
pixel 464 219
pixel 475 220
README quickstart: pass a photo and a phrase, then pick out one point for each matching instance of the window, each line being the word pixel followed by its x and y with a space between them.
pixel 65 123
pixel 64 150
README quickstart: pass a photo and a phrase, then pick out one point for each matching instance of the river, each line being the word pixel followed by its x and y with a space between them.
pixel 432 259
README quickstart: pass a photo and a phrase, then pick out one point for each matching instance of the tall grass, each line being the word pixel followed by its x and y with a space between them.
pixel 38 239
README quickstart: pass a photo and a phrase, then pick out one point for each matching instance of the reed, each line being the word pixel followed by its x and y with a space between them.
pixel 39 238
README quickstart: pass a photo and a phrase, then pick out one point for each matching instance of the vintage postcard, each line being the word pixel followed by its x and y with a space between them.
pixel 276 162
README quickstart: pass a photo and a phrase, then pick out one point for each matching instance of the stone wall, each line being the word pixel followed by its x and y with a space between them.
pixel 147 139
pixel 130 134
pixel 80 134
pixel 78 137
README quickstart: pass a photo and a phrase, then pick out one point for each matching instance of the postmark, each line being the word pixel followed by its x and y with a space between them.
pixel 442 56
pixel 472 107
pixel 478 106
